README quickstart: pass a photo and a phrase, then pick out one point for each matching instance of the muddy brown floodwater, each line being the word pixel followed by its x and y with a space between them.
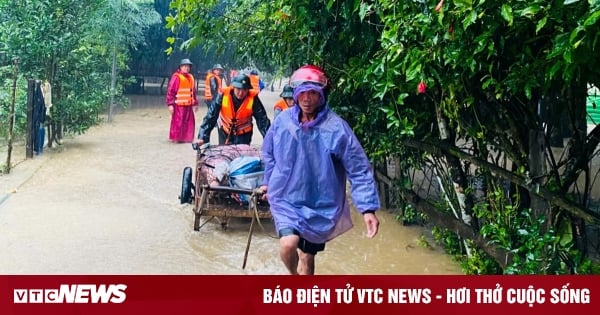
pixel 106 202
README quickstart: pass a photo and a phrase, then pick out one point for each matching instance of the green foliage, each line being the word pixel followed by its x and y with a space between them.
pixel 477 262
pixel 423 242
pixel 534 249
pixel 486 65
pixel 67 44
pixel 410 216
pixel 481 61
pixel 20 105
pixel 498 217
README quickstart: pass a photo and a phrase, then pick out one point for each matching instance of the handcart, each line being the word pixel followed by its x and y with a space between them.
pixel 217 194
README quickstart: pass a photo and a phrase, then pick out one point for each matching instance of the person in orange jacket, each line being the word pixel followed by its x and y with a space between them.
pixel 182 103
pixel 286 101
pixel 212 84
pixel 257 83
pixel 232 112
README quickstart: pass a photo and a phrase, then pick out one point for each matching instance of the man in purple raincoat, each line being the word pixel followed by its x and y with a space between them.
pixel 309 152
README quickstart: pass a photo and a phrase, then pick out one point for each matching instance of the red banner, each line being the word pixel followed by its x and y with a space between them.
pixel 287 295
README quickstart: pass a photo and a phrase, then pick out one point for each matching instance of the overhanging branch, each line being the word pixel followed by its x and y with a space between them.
pixel 532 187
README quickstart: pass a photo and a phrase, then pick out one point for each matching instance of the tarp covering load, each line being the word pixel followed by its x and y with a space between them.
pixel 221 162
pixel 246 172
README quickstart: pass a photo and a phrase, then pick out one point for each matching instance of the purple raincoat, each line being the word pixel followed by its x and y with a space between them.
pixel 306 167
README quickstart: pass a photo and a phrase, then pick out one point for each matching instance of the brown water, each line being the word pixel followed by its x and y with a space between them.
pixel 107 202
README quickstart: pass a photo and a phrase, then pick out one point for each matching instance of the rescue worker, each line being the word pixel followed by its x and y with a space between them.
pixel 286 101
pixel 213 84
pixel 232 112
pixel 255 80
pixel 182 103
pixel 232 74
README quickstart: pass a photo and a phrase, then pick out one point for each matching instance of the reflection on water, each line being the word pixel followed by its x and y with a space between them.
pixel 107 204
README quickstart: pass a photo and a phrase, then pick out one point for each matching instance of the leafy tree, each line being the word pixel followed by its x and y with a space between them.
pixel 504 78
pixel 455 90
pixel 66 43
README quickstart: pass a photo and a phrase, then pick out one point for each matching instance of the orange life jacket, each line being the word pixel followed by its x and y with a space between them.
pixel 207 93
pixel 185 92
pixel 255 81
pixel 281 104
pixel 240 122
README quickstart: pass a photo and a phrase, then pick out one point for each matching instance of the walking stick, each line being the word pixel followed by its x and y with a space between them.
pixel 249 240
pixel 253 201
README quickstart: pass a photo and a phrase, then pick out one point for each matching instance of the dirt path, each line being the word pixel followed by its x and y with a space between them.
pixel 106 203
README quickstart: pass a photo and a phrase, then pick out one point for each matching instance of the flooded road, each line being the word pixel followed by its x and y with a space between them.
pixel 106 202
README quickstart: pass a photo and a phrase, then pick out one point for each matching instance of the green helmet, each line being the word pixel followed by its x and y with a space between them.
pixel 217 66
pixel 288 92
pixel 186 62
pixel 241 81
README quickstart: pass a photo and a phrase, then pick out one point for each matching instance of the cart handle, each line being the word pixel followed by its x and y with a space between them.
pixel 200 148
pixel 229 189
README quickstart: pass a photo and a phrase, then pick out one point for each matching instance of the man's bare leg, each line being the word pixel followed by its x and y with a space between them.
pixel 288 251
pixel 306 264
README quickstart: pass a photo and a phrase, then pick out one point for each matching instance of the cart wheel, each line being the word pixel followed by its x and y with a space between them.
pixel 187 188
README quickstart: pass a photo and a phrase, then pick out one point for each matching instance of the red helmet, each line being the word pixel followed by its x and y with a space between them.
pixel 309 73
